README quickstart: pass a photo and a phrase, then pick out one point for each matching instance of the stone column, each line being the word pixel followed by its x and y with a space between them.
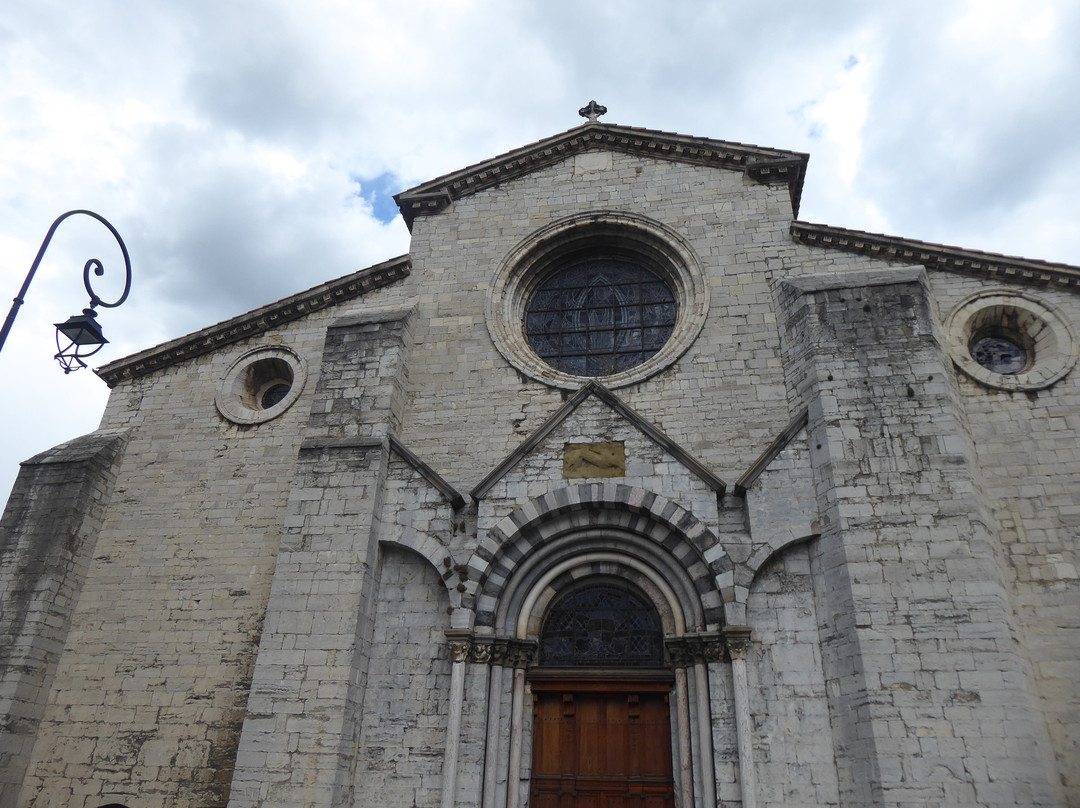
pixel 519 655
pixel 460 647
pixel 681 658
pixel 709 649
pixel 738 640
pixel 496 655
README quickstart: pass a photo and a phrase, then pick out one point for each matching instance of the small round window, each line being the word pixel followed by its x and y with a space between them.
pixel 1010 340
pixel 261 385
pixel 600 317
pixel 275 393
pixel 269 382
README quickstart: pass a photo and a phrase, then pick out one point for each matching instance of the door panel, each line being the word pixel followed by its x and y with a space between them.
pixel 601 750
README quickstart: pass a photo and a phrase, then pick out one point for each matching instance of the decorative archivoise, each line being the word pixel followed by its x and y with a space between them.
pixel 262 583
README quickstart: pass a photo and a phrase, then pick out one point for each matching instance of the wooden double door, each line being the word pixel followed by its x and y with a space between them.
pixel 600 744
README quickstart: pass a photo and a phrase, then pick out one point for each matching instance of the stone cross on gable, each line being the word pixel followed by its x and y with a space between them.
pixel 592 111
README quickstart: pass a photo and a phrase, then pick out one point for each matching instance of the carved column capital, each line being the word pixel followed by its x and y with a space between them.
pixel 708 647
pixel 481 651
pixel 737 639
pixel 498 651
pixel 460 642
pixel 679 651
pixel 695 647
pixel 520 653
pixel 459 650
pixel 509 652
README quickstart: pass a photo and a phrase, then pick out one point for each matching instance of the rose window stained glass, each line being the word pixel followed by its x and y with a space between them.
pixel 600 317
pixel 602 626
pixel 999 354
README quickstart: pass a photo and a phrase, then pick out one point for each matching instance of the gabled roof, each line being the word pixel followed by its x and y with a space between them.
pixel 938 256
pixel 761 164
pixel 594 388
pixel 255 322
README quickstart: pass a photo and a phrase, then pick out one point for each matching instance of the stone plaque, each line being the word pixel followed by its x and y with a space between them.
pixel 594 460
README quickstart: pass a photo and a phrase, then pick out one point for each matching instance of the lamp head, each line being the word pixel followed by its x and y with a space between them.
pixel 81 330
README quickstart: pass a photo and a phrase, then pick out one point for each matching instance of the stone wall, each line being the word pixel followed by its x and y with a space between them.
pixel 915 618
pixel 1029 467
pixel 408 682
pixel 47 537
pixel 793 739
pixel 723 401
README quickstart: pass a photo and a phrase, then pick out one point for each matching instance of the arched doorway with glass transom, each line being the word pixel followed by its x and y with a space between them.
pixel 601 693
pixel 561 548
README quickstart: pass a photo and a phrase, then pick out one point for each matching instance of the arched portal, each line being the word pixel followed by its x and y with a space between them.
pixel 552 554
pixel 601 695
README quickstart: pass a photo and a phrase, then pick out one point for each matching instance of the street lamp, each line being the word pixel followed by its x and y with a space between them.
pixel 81 330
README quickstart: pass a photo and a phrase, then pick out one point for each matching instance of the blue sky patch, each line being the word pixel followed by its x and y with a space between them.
pixel 379 193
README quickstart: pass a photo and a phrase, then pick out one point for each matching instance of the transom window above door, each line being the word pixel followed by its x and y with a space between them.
pixel 602 626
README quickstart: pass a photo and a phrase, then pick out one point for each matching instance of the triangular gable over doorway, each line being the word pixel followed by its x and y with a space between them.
pixel 594 388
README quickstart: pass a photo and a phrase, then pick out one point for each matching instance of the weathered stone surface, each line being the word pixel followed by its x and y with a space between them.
pixel 584 460
pixel 47 536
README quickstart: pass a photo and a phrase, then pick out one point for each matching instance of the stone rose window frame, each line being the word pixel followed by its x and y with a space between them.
pixel 250 392
pixel 1020 318
pixel 603 235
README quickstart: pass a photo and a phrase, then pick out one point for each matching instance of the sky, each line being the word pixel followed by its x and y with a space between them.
pixel 247 150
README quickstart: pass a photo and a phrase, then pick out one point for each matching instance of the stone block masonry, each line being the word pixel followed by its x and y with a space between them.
pixel 305 708
pixel 303 711
pixel 914 617
pixel 47 537
pixel 215 601
pixel 403 738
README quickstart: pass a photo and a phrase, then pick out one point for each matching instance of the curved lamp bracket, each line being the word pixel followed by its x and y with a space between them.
pixel 69 356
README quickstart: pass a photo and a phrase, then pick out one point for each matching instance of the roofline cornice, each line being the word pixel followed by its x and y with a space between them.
pixel 763 165
pixel 256 322
pixel 991 266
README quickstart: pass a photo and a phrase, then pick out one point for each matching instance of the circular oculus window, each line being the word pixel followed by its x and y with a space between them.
pixel 1004 353
pixel 261 385
pixel 1010 340
pixel 602 295
pixel 600 317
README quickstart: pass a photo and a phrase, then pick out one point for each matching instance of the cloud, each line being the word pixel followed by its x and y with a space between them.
pixel 252 223
pixel 972 118
pixel 267 81
pixel 248 150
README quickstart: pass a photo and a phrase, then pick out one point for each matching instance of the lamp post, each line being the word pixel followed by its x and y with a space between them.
pixel 81 330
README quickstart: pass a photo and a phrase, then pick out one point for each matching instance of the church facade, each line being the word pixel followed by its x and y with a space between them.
pixel 624 487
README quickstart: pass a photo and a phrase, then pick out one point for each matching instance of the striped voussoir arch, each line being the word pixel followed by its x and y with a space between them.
pixel 586 508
